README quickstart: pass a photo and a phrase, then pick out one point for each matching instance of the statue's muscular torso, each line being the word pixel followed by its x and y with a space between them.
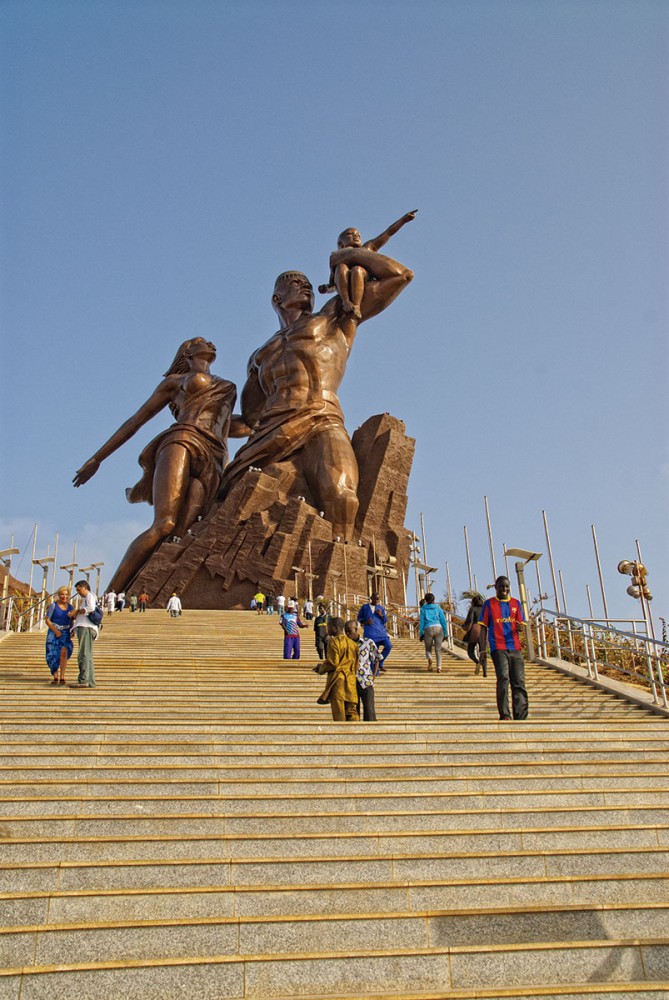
pixel 306 360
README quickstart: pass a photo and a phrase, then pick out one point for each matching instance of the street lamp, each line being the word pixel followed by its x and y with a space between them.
pixel 6 560
pixel 97 567
pixel 527 557
pixel 638 588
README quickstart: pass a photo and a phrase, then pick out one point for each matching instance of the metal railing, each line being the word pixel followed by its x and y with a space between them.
pixel 600 647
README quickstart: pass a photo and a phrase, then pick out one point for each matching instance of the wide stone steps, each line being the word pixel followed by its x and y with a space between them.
pixel 197 826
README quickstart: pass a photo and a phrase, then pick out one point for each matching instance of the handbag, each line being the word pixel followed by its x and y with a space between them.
pixel 95 617
pixel 475 633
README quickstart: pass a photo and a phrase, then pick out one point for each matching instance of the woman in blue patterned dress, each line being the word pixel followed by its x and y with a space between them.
pixel 58 637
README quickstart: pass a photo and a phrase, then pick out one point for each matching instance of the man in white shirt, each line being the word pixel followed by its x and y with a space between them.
pixel 87 633
pixel 280 604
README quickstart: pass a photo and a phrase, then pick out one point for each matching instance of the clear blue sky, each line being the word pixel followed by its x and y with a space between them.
pixel 163 161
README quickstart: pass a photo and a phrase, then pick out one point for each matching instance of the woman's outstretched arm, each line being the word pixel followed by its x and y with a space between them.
pixel 154 404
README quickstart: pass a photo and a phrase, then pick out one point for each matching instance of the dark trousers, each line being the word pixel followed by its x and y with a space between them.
pixel 476 652
pixel 291 647
pixel 366 699
pixel 320 646
pixel 510 668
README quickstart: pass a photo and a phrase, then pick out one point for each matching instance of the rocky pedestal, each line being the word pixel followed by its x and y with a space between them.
pixel 268 535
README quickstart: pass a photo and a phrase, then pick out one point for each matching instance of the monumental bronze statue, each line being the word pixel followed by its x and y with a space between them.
pixel 290 396
pixel 182 466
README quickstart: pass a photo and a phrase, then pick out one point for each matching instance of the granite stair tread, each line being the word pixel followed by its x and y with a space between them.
pixel 218 836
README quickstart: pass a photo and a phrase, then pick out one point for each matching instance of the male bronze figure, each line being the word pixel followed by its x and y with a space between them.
pixel 290 396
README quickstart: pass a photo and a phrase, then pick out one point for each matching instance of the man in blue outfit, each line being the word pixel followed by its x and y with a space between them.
pixel 373 618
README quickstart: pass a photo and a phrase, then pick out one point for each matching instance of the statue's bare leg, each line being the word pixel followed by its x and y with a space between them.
pixel 356 284
pixel 191 508
pixel 331 471
pixel 170 484
pixel 342 274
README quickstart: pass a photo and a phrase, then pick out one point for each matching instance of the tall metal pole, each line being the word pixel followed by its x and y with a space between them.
pixel 587 590
pixel 428 582
pixel 649 616
pixel 550 559
pixel 422 531
pixel 32 561
pixel 564 596
pixel 55 563
pixel 490 541
pixel 541 592
pixel 311 575
pixel 469 564
pixel 506 563
pixel 345 572
pixel 599 571
pixel 448 587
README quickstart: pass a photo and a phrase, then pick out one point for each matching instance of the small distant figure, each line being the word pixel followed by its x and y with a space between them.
pixel 280 604
pixel 270 604
pixel 350 281
pixel 368 656
pixel 432 630
pixel 259 598
pixel 174 606
pixel 372 616
pixel 120 601
pixel 59 645
pixel 133 602
pixel 291 624
pixel 110 600
pixel 341 666
pixel 503 615
pixel 87 633
pixel 321 631
pixel 309 610
pixel 143 600
pixel 475 633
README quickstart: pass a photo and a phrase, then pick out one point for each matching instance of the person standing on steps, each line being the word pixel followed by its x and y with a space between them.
pixel 291 625
pixel 110 600
pixel 259 598
pixel 503 615
pixel 59 646
pixel 432 630
pixel 280 604
pixel 475 634
pixel 321 631
pixel 372 616
pixel 368 654
pixel 87 633
pixel 340 665
pixel 143 599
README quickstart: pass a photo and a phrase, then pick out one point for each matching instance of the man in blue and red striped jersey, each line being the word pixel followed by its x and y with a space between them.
pixel 503 615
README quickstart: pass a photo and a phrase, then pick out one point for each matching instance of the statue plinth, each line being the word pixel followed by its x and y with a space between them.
pixel 267 533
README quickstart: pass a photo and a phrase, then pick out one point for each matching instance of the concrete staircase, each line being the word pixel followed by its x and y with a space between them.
pixel 196 826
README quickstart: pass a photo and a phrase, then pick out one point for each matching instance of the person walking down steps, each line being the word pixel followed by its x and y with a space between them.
pixel 475 634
